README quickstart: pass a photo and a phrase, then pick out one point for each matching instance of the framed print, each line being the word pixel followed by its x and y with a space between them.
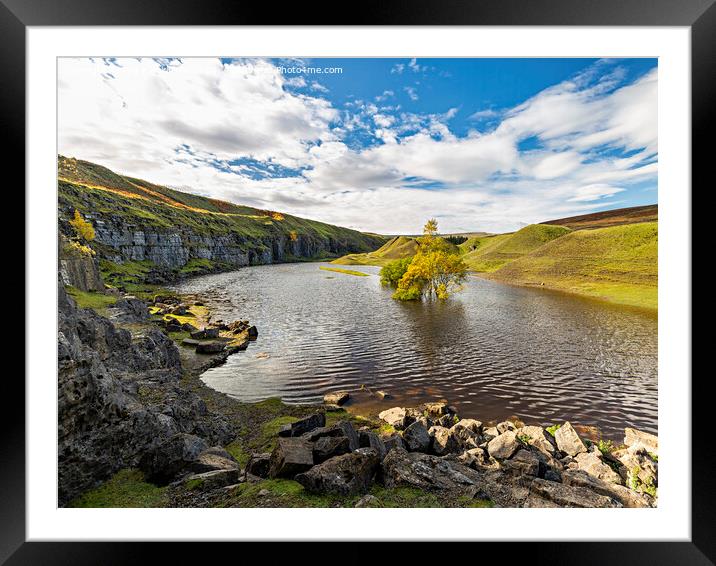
pixel 404 272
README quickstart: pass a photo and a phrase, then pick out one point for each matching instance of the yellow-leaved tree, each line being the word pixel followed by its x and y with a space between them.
pixel 83 229
pixel 436 271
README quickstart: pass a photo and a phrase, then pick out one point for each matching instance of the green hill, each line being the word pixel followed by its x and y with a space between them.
pixel 395 248
pixel 618 263
pixel 490 253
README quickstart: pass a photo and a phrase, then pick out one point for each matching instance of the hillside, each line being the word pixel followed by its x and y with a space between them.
pixel 617 217
pixel 618 263
pixel 151 232
pixel 492 252
pixel 395 248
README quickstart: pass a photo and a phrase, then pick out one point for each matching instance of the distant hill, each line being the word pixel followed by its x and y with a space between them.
pixel 616 217
pixel 617 263
pixel 397 247
pixel 490 253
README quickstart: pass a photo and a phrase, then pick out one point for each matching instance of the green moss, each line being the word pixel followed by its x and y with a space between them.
pixel 91 299
pixel 553 429
pixel 127 488
pixel 237 451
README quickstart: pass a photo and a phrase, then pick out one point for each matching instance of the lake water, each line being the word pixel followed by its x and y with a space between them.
pixel 494 351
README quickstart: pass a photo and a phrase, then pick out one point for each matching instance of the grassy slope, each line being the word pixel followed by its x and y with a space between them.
pixel 493 252
pixel 395 248
pixel 618 263
pixel 91 188
pixel 617 217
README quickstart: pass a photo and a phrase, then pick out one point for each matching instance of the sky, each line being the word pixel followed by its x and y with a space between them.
pixel 377 144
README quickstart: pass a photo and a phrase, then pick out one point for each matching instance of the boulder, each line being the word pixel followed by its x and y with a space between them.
pixel 337 398
pixel 640 468
pixel 441 441
pixel 342 428
pixel 465 434
pixel 259 464
pixel 132 309
pixel 592 463
pixel 397 417
pixel 436 409
pixel 424 471
pixel 304 425
pixel 445 420
pixel 327 447
pixel 504 445
pixel 205 334
pixel 253 332
pixel 537 437
pixel 214 458
pixel 544 493
pixel 623 495
pixel 416 437
pixel 490 432
pixel 633 437
pixel 290 457
pixel 568 440
pixel 394 441
pixel 477 459
pixel 213 479
pixel 504 426
pixel 368 439
pixel 210 347
pixel 171 458
pixel 523 463
pixel 348 474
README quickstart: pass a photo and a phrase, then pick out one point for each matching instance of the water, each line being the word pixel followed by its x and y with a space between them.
pixel 494 351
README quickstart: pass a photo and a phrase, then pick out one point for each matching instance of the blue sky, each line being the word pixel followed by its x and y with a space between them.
pixel 480 144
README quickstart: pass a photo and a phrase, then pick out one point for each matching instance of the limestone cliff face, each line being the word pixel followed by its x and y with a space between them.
pixel 78 269
pixel 118 398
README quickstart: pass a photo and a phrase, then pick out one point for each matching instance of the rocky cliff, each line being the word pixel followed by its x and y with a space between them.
pixel 118 398
pixel 139 221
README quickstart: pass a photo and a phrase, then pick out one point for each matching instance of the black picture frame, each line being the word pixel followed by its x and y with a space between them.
pixel 17 15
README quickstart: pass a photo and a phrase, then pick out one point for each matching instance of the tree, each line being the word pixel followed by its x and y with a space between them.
pixel 436 271
pixel 83 229
pixel 393 272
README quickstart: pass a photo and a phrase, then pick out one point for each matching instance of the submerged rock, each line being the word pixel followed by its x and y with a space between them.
pixel 338 398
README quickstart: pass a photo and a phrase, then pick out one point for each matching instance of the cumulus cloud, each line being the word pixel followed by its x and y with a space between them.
pixel 243 132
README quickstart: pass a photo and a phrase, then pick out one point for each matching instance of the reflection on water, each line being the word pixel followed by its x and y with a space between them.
pixel 494 351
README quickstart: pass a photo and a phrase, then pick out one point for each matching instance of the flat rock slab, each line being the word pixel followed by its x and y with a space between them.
pixel 633 437
pixel 402 468
pixel 210 347
pixel 213 479
pixel 545 493
pixel 504 445
pixel 338 398
pixel 328 447
pixel 304 425
pixel 622 494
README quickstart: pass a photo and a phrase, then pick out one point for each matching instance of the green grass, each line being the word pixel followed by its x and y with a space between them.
pixel 399 247
pixel 617 264
pixel 91 299
pixel 346 271
pixel 127 488
pixel 490 253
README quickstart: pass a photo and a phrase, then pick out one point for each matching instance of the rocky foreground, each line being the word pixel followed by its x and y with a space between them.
pixel 130 398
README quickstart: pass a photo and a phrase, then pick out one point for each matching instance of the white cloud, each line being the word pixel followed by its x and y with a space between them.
pixel 192 124
pixel 412 92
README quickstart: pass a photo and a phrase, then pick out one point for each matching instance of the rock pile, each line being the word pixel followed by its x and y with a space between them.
pixel 433 449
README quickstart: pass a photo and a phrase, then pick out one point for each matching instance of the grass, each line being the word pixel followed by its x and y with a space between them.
pixel 490 253
pixel 553 429
pixel 91 299
pixel 127 488
pixel 398 247
pixel 346 271
pixel 618 264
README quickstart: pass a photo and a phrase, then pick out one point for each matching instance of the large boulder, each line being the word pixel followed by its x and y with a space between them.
pixel 436 409
pixel 441 441
pixel 394 441
pixel 641 470
pixel 214 458
pixel 592 463
pixel 544 493
pixel 130 309
pixel 416 437
pixel 348 474
pixel 259 464
pixel 368 439
pixel 424 471
pixel 328 447
pixel 523 463
pixel 504 445
pixel 465 434
pixel 342 428
pixel 623 495
pixel 536 436
pixel 291 456
pixel 210 347
pixel 568 440
pixel 634 438
pixel 397 417
pixel 304 425
pixel 170 458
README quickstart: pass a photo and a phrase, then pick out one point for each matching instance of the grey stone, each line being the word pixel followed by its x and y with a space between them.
pixel 523 463
pixel 368 500
pixel 348 474
pixel 537 438
pixel 425 471
pixel 544 493
pixel 210 347
pixel 623 495
pixel 290 457
pixel 633 437
pixel 504 426
pixel 503 446
pixel 465 434
pixel 394 441
pixel 304 425
pixel 416 437
pixel 172 457
pixel 259 464
pixel 213 479
pixel 214 458
pixel 397 417
pixel 368 439
pixel 592 463
pixel 442 442
pixel 338 398
pixel 568 440
pixel 327 447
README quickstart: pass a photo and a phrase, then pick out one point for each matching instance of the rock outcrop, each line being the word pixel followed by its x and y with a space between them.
pixel 119 398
